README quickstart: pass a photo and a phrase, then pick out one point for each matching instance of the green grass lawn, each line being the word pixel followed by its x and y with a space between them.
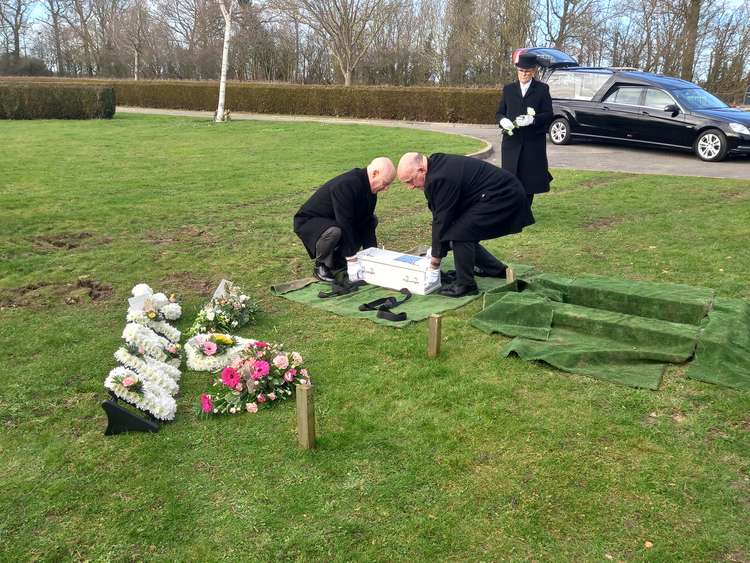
pixel 469 457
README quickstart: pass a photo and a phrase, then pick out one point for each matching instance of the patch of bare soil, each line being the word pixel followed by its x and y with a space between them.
pixel 604 222
pixel 86 287
pixel 185 233
pixel 43 294
pixel 603 180
pixel 188 282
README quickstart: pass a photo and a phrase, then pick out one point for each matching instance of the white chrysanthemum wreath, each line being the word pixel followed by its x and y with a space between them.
pixel 150 370
pixel 212 352
pixel 128 385
pixel 150 359
pixel 160 327
pixel 167 306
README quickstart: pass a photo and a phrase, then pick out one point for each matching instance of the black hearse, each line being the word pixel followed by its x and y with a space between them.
pixel 634 107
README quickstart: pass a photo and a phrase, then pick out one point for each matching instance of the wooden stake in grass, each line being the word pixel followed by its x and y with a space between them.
pixel 305 416
pixel 433 340
pixel 510 275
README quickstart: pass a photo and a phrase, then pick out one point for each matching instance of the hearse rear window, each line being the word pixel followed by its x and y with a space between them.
pixel 576 85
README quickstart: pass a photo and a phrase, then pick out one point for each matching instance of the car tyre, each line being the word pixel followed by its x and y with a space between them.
pixel 711 146
pixel 559 131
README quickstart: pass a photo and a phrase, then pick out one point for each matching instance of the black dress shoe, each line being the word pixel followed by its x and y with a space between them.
pixel 485 274
pixel 322 273
pixel 459 290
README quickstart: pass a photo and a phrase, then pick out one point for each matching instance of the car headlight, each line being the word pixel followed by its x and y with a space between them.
pixel 739 128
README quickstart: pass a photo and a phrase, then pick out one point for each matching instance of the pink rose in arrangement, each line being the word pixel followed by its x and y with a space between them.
pixel 260 345
pixel 206 404
pixel 261 398
pixel 272 396
pixel 251 407
pixel 128 381
pixel 260 369
pixel 303 373
pixel 289 376
pixel 209 348
pixel 281 361
pixel 296 358
pixel 230 377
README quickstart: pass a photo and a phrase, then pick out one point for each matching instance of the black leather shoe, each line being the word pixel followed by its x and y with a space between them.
pixel 485 274
pixel 322 273
pixel 459 290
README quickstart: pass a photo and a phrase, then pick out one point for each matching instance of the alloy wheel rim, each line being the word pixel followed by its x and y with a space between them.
pixel 558 132
pixel 709 146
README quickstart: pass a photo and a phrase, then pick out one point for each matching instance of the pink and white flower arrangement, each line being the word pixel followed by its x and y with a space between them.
pixel 228 310
pixel 263 374
pixel 212 352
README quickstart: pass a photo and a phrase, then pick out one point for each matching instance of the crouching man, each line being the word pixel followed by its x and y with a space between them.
pixel 339 218
pixel 471 201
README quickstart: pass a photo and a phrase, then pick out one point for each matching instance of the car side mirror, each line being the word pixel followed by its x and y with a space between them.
pixel 672 108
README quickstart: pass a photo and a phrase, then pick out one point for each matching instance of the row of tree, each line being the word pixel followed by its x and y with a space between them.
pixel 399 42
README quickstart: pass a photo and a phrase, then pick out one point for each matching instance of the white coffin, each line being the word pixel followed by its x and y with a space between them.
pixel 396 270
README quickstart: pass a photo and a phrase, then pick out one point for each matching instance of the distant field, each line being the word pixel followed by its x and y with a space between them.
pixel 469 457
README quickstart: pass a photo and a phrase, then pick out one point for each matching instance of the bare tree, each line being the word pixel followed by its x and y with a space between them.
pixel 15 15
pixel 349 25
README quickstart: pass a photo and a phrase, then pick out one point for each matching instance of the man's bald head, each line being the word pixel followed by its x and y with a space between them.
pixel 380 173
pixel 412 169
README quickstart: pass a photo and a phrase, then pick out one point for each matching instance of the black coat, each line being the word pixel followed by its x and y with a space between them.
pixel 525 152
pixel 472 200
pixel 347 202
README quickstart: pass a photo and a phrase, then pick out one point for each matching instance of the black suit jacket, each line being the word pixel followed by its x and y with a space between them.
pixel 472 200
pixel 525 152
pixel 347 202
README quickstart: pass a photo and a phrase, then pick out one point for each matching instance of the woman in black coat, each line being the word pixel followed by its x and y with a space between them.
pixel 524 144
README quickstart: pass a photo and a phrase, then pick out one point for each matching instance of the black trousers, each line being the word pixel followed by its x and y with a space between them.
pixel 467 254
pixel 326 249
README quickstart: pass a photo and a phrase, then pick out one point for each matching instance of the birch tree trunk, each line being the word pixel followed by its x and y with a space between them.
pixel 227 13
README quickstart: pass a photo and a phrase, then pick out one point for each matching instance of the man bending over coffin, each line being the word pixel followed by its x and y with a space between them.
pixel 471 201
pixel 339 218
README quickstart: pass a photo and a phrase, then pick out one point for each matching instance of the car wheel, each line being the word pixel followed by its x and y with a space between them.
pixel 711 145
pixel 559 131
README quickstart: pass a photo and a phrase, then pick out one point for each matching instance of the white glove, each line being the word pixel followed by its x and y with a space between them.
pixel 506 123
pixel 433 276
pixel 354 270
pixel 524 120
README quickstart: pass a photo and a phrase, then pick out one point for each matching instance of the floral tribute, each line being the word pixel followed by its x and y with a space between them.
pixel 531 112
pixel 213 351
pixel 227 310
pixel 148 375
pixel 261 376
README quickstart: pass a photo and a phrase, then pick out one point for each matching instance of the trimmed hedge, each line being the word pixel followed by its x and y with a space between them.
pixel 24 99
pixel 448 105
pixel 454 105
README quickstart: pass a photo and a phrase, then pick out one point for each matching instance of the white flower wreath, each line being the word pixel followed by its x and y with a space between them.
pixel 152 371
pixel 143 337
pixel 152 399
pixel 142 293
pixel 159 327
pixel 171 311
pixel 197 361
pixel 141 289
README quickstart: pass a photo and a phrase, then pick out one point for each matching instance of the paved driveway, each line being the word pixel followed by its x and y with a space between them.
pixel 599 156
pixel 582 156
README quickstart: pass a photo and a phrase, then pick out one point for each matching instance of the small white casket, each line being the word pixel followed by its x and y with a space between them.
pixel 396 270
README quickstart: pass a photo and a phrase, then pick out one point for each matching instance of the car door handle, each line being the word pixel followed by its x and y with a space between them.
pixel 645 113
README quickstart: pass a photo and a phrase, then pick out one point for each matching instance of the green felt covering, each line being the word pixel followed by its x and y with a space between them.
pixel 418 308
pixel 723 353
pixel 620 331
